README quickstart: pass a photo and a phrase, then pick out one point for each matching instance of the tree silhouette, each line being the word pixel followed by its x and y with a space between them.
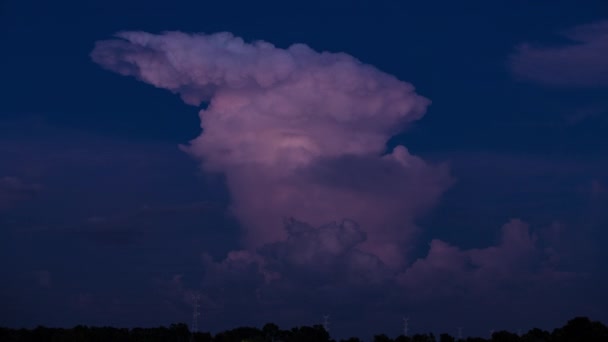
pixel 351 339
pixel 446 338
pixel 382 338
pixel 403 338
pixel 504 336
pixel 423 338
pixel 579 329
pixel 536 335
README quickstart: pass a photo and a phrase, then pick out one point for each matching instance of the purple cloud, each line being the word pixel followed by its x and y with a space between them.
pixel 314 264
pixel 325 268
pixel 581 63
pixel 332 251
pixel 281 122
pixel 517 259
pixel 302 134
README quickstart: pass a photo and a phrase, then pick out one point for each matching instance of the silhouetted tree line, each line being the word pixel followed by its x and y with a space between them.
pixel 579 329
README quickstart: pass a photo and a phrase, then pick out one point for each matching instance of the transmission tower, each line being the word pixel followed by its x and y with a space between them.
pixel 405 325
pixel 326 322
pixel 195 313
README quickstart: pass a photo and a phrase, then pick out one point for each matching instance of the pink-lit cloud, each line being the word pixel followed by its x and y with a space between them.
pixel 326 267
pixel 517 259
pixel 312 264
pixel 296 132
pixel 332 251
pixel 580 63
pixel 302 134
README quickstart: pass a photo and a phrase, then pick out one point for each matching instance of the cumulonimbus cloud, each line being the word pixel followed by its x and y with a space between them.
pixel 298 133
pixel 302 134
pixel 580 63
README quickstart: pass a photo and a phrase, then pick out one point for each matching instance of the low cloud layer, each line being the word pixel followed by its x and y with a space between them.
pixel 298 133
pixel 580 63
pixel 518 259
pixel 324 269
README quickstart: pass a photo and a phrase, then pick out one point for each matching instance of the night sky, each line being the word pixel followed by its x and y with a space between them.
pixel 444 161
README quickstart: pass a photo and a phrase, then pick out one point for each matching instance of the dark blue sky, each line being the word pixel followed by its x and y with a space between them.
pixel 104 220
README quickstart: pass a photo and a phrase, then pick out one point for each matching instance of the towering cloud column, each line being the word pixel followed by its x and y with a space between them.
pixel 298 133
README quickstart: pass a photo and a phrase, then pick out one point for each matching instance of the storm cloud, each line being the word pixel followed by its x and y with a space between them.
pixel 298 133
